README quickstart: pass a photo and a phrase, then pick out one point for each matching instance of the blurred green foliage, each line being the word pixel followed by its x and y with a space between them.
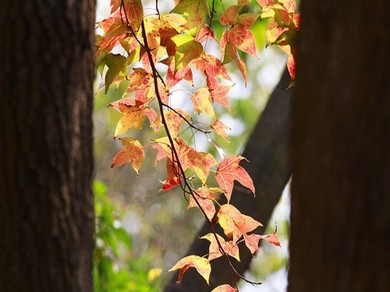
pixel 114 270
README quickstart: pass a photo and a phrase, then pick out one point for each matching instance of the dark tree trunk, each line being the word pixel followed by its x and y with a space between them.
pixel 340 221
pixel 270 169
pixel 46 161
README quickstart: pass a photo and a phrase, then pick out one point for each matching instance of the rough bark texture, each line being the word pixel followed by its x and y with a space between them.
pixel 46 161
pixel 340 221
pixel 269 167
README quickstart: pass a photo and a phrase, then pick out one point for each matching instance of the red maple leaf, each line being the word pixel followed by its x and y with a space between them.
pixel 228 171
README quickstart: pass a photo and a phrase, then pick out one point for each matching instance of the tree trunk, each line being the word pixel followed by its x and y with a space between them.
pixel 46 159
pixel 340 220
pixel 270 169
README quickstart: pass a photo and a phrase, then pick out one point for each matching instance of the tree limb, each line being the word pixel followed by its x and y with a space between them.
pixel 267 151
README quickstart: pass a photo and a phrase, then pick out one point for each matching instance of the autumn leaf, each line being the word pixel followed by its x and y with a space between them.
pixel 204 34
pixel 132 115
pixel 241 37
pixel 271 238
pixel 247 19
pixel 132 152
pixel 212 68
pixel 116 64
pixel 162 147
pixel 195 11
pixel 200 163
pixel 174 121
pixel 219 93
pixel 232 55
pixel 224 288
pixel 230 16
pixel 235 225
pixel 229 247
pixel 134 13
pixel 228 171
pixel 205 198
pixel 114 29
pixel 139 80
pixel 173 180
pixel 219 128
pixel 187 50
pixel 202 265
pixel 202 103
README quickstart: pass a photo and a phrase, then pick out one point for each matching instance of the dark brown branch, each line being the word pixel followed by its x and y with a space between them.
pixel 267 151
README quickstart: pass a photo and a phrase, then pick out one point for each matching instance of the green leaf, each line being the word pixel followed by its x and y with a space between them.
pixel 195 11
pixel 187 50
pixel 116 64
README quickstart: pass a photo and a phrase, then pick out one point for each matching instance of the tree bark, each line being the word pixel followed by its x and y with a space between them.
pixel 267 151
pixel 340 220
pixel 46 159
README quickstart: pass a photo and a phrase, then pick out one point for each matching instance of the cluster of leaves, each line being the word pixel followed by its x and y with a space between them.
pixel 110 272
pixel 177 42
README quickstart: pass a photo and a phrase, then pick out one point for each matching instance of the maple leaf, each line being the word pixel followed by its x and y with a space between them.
pixel 228 171
pixel 132 117
pixel 195 11
pixel 219 92
pixel 134 13
pixel 115 4
pixel 200 163
pixel 205 197
pixel 162 147
pixel 204 34
pixel 174 76
pixel 212 68
pixel 247 19
pixel 271 238
pixel 229 247
pixel 202 103
pixel 133 113
pixel 132 152
pixel 174 121
pixel 187 50
pixel 230 55
pixel 219 128
pixel 235 224
pixel 224 288
pixel 173 180
pixel 116 64
pixel 230 16
pixel 241 37
pixel 114 29
pixel 139 80
pixel 202 265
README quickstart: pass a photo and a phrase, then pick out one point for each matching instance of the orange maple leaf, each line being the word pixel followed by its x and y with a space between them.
pixel 220 128
pixel 132 152
pixel 235 224
pixel 173 180
pixel 228 171
pixel 229 247
pixel 202 265
pixel 202 103
pixel 205 197
pixel 241 37
pixel 224 288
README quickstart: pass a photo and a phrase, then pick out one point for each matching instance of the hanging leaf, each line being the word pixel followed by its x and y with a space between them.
pixel 132 152
pixel 202 265
pixel 228 171
pixel 224 288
